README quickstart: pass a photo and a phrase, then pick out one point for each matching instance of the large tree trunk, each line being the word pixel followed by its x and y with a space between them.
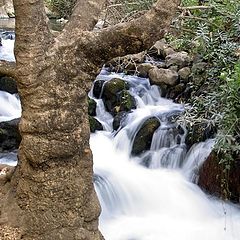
pixel 51 195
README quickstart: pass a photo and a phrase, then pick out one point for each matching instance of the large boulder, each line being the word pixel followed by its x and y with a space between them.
pixel 180 59
pixel 97 88
pixel 221 180
pixel 116 98
pixel 143 139
pixel 125 102
pixel 114 86
pixel 199 132
pixel 143 69
pixel 10 137
pixel 158 76
pixel 8 84
pixel 184 73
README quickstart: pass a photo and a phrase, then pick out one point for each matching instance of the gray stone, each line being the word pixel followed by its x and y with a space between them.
pixel 159 75
pixel 161 48
pixel 143 69
pixel 180 59
pixel 168 51
pixel 143 138
pixel 184 73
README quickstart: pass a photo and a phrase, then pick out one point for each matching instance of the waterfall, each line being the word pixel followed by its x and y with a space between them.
pixel 151 196
pixel 10 107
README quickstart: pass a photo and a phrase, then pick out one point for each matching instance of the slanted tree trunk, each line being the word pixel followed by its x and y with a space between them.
pixel 51 195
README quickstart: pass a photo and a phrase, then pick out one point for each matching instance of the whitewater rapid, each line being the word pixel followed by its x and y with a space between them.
pixel 154 202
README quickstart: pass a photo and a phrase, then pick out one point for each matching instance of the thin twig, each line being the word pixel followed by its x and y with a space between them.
pixel 199 19
pixel 196 8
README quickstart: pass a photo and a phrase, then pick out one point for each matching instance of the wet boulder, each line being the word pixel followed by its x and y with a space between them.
pixel 199 132
pixel 143 138
pixel 219 180
pixel 115 96
pixel 95 125
pixel 97 88
pixel 10 137
pixel 114 86
pixel 92 107
pixel 159 76
pixel 8 84
pixel 126 102
pixel 119 120
pixel 143 69
pixel 180 59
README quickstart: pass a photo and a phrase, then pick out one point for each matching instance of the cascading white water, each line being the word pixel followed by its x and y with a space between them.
pixel 6 50
pixel 150 197
pixel 158 202
pixel 10 106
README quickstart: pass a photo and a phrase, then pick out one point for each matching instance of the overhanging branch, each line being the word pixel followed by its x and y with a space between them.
pixel 133 36
pixel 85 15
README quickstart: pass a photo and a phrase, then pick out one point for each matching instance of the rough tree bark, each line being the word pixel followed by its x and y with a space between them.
pixel 51 193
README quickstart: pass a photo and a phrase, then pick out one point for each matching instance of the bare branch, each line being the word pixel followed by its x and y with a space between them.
pixel 195 8
pixel 198 19
pixel 133 36
pixel 7 68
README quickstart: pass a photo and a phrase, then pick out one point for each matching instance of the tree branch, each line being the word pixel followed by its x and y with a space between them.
pixel 84 16
pixel 7 68
pixel 133 36
pixel 32 33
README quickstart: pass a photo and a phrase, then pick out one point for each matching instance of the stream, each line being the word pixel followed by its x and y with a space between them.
pixel 152 196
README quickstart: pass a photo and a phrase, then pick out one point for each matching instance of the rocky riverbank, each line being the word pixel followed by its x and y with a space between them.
pixel 174 73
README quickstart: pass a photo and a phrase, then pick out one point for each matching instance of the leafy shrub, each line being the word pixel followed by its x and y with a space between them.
pixel 212 35
pixel 62 7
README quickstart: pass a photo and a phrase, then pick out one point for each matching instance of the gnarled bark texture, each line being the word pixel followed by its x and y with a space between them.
pixel 51 191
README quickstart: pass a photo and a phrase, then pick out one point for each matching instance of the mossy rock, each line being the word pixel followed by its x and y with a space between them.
pixel 95 125
pixel 92 105
pixel 114 86
pixel 143 139
pixel 126 101
pixel 115 96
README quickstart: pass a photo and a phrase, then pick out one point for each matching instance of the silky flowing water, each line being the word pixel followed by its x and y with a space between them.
pixel 152 196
